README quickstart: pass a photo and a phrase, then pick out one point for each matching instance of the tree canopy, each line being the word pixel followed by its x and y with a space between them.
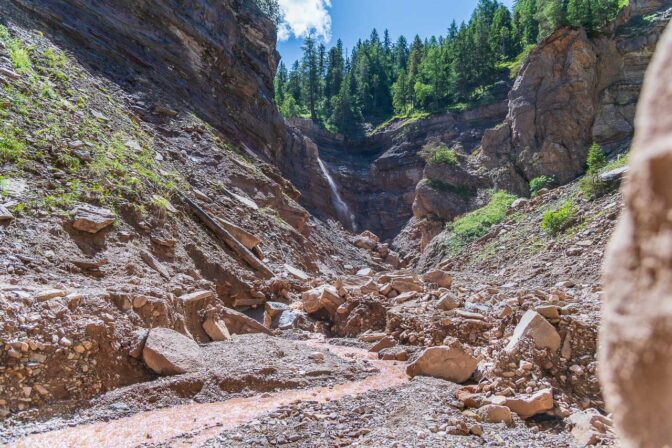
pixel 380 78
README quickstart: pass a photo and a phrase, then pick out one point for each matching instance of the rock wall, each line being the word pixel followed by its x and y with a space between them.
pixel 636 364
pixel 378 175
pixel 216 58
pixel 573 90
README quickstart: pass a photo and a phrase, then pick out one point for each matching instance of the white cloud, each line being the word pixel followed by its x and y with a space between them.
pixel 303 17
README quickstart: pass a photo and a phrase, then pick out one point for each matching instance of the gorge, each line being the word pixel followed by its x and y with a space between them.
pixel 181 265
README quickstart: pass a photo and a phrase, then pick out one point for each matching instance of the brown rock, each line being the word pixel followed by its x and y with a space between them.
pixel 636 335
pixel 527 406
pixel 5 214
pixel 532 325
pixel 441 278
pixel 450 363
pixel 92 219
pixel 387 342
pixel 168 352
pixel 216 329
pixel 492 413
pixel 448 301
pixel 238 323
pixel 588 427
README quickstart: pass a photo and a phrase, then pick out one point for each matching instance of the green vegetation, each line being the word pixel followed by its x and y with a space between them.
pixel 11 149
pixel 19 56
pixel 539 183
pixel 462 191
pixel 439 154
pixel 555 221
pixel 618 162
pixel 476 224
pixel 381 78
pixel 591 184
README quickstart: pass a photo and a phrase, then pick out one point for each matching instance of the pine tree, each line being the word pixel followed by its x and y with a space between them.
pixel 281 80
pixel 311 75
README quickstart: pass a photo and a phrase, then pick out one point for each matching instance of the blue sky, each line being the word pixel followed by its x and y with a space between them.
pixel 351 20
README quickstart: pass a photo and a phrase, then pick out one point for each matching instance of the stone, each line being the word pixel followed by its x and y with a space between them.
pixel 238 323
pixel 448 301
pixel 168 352
pixel 296 272
pixel 614 176
pixel 451 363
pixel 405 297
pixel 441 278
pixel 396 353
pixel 519 203
pixel 527 406
pixel 367 240
pixel 386 342
pixel 492 413
pixel 635 335
pixel 291 319
pixel 216 329
pixel 372 337
pixel 365 272
pixel 92 219
pixel 532 325
pixel 325 296
pixel 549 311
pixel 246 238
pixel 49 294
pixel 588 427
pixel 5 214
pixel 197 296
pixel 402 285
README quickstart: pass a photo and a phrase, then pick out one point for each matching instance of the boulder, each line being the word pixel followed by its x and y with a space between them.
pixel 216 329
pixel 588 427
pixel 451 363
pixel 238 323
pixel 527 406
pixel 367 240
pixel 441 278
pixel 92 219
pixel 296 272
pixel 448 301
pixel 492 413
pixel 533 326
pixel 5 215
pixel 386 342
pixel 325 296
pixel 168 352
pixel 406 284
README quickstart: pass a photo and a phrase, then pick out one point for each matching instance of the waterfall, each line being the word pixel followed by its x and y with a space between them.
pixel 342 209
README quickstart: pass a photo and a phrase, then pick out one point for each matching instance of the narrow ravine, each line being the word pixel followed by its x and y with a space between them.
pixel 194 424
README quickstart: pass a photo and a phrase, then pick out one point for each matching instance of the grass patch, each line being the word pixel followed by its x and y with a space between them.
pixel 11 149
pixel 478 223
pixel 20 56
pixel 437 185
pixel 619 162
pixel 516 64
pixel 558 220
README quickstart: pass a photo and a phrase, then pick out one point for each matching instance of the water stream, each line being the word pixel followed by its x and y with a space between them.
pixel 342 209
pixel 191 425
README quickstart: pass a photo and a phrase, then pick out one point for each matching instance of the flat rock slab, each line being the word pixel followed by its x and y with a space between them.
pixel 5 215
pixel 168 352
pixel 533 325
pixel 92 219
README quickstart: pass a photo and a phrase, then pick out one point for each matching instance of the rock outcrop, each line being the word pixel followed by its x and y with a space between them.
pixel 572 91
pixel 636 366
pixel 218 58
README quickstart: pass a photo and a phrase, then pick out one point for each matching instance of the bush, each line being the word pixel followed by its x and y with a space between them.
pixel 555 221
pixel 596 159
pixel 539 183
pixel 438 154
pixel 593 187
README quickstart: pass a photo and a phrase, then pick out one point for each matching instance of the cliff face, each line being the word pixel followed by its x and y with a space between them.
pixel 572 91
pixel 218 58
pixel 378 175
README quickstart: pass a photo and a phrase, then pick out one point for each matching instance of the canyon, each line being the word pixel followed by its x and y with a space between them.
pixel 181 266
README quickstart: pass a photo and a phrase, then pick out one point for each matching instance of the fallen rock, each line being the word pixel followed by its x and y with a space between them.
pixel 238 323
pixel 448 301
pixel 589 427
pixel 92 219
pixel 527 406
pixel 532 325
pixel 387 342
pixel 168 352
pixel 325 296
pixel 402 285
pixel 49 294
pixel 197 296
pixel 441 278
pixel 450 363
pixel 396 353
pixel 216 329
pixel 247 239
pixel 5 215
pixel 492 413
pixel 296 272
pixel 367 240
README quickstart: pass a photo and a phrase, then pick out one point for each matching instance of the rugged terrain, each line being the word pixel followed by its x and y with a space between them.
pixel 178 266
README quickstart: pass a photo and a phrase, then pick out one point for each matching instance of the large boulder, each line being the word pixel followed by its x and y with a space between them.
pixel 527 406
pixel 452 363
pixel 168 352
pixel 92 219
pixel 636 334
pixel 533 326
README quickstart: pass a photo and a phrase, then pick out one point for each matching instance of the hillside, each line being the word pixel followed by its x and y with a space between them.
pixel 180 266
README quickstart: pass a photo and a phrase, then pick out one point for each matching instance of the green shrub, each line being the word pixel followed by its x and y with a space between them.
pixel 439 154
pixel 11 150
pixel 593 187
pixel 596 159
pixel 555 221
pixel 19 56
pixel 539 183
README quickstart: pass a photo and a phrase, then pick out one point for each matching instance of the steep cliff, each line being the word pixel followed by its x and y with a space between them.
pixel 572 91
pixel 217 59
